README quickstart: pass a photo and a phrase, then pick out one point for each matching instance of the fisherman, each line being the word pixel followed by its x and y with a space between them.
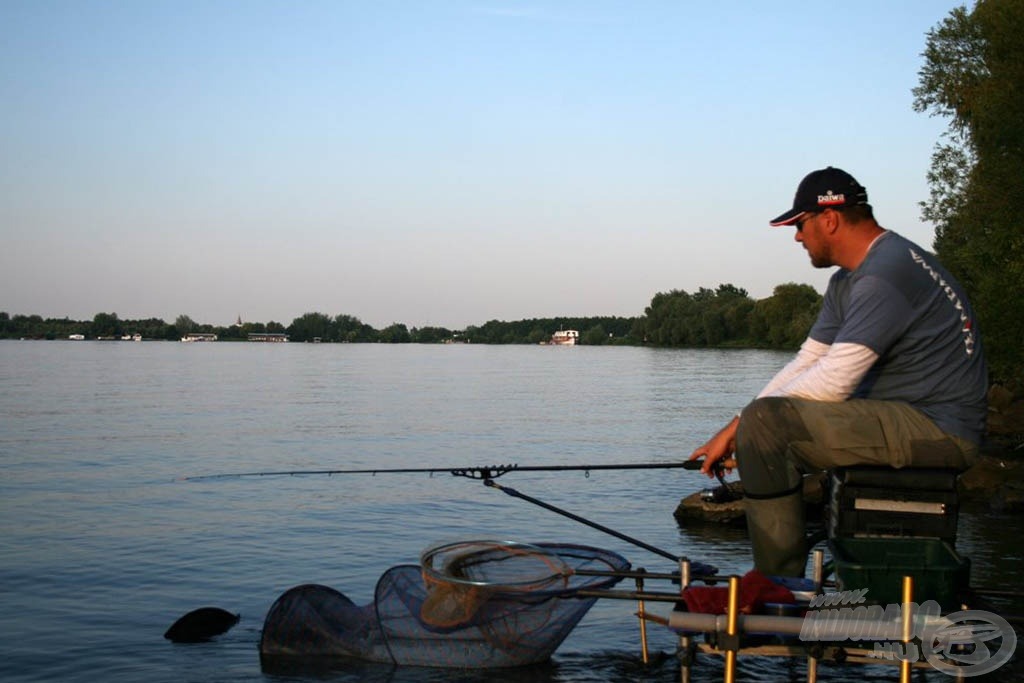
pixel 892 372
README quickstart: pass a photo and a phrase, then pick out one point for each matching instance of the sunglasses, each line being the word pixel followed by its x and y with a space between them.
pixel 800 223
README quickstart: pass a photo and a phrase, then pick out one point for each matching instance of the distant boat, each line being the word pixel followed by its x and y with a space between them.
pixel 76 337
pixel 273 337
pixel 565 338
pixel 199 337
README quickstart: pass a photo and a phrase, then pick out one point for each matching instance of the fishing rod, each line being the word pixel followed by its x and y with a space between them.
pixel 484 473
pixel 700 567
pixel 487 474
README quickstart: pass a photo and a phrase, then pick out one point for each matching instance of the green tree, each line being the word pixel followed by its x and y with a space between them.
pixel 106 325
pixel 395 333
pixel 347 328
pixel 150 328
pixel 972 74
pixel 184 324
pixel 786 316
pixel 709 317
pixel 310 326
pixel 595 336
pixel 32 326
pixel 232 332
pixel 538 335
pixel 430 335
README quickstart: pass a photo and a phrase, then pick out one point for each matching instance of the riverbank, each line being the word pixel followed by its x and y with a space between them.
pixel 997 481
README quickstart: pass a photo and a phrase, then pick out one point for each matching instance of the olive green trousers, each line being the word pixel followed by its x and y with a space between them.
pixel 781 439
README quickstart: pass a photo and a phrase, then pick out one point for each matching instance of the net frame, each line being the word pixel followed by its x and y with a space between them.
pixel 460 561
pixel 521 621
pixel 462 578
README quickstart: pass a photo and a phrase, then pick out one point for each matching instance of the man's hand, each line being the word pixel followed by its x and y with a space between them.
pixel 720 447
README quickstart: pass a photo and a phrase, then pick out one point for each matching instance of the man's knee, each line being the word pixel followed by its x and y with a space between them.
pixel 767 429
pixel 770 419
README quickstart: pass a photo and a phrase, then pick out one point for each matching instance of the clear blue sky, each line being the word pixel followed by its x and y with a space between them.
pixel 437 163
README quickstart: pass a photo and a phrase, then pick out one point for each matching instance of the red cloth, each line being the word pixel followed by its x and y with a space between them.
pixel 755 590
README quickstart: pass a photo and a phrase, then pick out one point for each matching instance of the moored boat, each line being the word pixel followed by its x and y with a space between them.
pixel 565 338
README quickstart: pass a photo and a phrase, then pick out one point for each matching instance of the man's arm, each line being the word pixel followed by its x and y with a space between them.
pixel 723 444
pixel 809 354
pixel 832 377
pixel 819 372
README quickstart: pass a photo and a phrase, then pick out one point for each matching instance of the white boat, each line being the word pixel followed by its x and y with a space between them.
pixel 76 337
pixel 565 338
pixel 199 337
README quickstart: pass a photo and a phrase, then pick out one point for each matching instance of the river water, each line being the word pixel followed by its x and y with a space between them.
pixel 104 543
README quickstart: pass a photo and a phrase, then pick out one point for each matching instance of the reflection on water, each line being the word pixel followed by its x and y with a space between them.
pixel 104 546
pixel 598 666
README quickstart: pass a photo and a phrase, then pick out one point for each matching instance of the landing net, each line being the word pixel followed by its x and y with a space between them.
pixel 470 604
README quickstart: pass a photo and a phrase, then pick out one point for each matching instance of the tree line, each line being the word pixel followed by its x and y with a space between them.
pixel 724 316
pixel 972 75
pixel 728 316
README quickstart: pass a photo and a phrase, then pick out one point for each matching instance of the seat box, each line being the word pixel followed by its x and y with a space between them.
pixel 879 564
pixel 886 502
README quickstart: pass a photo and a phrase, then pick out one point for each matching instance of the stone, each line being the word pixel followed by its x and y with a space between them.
pixel 701 506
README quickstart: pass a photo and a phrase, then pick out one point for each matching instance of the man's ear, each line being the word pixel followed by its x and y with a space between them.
pixel 832 220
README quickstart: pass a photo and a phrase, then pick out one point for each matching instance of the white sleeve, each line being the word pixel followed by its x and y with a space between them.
pixel 809 353
pixel 832 377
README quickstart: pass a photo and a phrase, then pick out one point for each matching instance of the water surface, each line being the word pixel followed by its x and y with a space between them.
pixel 103 544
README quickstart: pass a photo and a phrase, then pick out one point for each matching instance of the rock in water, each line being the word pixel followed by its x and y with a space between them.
pixel 201 625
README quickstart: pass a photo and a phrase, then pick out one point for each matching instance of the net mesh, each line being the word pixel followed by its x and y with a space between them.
pixel 472 604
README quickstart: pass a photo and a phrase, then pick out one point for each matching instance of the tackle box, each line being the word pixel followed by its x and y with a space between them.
pixel 879 565
pixel 887 502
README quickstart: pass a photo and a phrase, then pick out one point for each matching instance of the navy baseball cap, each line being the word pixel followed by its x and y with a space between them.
pixel 828 188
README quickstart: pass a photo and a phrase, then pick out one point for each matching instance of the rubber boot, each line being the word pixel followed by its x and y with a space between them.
pixel 777 536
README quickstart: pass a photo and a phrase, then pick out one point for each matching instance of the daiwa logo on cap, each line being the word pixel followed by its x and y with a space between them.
pixel 817 192
pixel 831 199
